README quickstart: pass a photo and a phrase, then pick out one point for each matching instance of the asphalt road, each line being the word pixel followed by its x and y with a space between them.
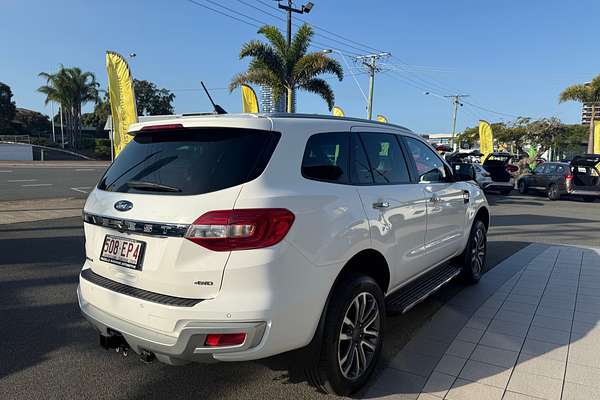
pixel 24 181
pixel 49 351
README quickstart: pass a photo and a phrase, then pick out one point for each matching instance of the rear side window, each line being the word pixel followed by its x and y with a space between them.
pixel 560 170
pixel 550 169
pixel 360 170
pixel 189 161
pixel 386 159
pixel 326 157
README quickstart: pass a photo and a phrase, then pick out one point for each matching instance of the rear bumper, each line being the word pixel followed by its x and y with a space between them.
pixel 584 192
pixel 186 346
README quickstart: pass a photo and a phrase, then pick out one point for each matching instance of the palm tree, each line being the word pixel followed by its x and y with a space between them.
pixel 285 68
pixel 72 88
pixel 585 93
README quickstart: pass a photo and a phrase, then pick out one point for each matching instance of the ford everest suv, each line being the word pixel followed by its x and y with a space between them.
pixel 238 237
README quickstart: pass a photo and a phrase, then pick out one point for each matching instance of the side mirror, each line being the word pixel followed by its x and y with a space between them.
pixel 463 171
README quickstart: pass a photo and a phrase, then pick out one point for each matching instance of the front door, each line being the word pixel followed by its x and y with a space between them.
pixel 446 203
pixel 395 207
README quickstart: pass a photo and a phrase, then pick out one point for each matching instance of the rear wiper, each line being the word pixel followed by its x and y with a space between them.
pixel 144 185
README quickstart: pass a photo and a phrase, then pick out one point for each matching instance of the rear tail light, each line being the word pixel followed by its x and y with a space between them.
pixel 569 181
pixel 224 339
pixel 244 229
pixel 162 127
pixel 512 168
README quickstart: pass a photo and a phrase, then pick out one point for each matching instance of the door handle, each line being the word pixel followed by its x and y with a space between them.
pixel 381 204
pixel 466 196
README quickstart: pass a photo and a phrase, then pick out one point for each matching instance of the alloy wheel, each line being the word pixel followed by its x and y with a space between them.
pixel 359 336
pixel 478 249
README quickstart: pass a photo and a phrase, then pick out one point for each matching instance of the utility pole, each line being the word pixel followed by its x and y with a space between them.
pixel 370 63
pixel 290 9
pixel 456 100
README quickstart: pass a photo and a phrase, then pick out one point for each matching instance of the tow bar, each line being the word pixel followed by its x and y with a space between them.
pixel 116 341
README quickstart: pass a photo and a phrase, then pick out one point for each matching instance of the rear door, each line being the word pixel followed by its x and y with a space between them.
pixel 136 218
pixel 446 205
pixel 394 205
pixel 586 172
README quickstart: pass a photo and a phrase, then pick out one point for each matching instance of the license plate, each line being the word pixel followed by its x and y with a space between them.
pixel 121 251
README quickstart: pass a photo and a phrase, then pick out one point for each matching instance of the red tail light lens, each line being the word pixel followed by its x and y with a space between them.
pixel 512 168
pixel 224 339
pixel 163 127
pixel 244 229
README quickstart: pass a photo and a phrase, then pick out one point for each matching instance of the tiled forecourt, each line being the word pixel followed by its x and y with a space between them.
pixel 529 330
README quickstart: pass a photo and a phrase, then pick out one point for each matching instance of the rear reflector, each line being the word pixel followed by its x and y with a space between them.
pixel 253 228
pixel 224 339
pixel 163 127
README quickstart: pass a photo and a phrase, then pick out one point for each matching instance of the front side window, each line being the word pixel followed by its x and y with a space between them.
pixel 326 157
pixel 386 159
pixel 360 170
pixel 430 167
pixel 539 169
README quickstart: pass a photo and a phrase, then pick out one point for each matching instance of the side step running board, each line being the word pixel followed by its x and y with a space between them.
pixel 410 295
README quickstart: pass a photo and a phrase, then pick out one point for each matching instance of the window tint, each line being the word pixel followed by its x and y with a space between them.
pixel 560 169
pixel 386 158
pixel 360 171
pixel 430 167
pixel 189 161
pixel 326 157
pixel 539 169
pixel 550 169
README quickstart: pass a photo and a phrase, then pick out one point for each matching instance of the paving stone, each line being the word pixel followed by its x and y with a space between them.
pixel 512 316
pixel 467 390
pixel 586 328
pixel 438 384
pixel 423 345
pixel 555 312
pixel 541 366
pixel 545 349
pixel 427 396
pixel 545 321
pixel 583 354
pixel 574 391
pixel 450 365
pixel 548 335
pixel 509 327
pixel 491 355
pixel 470 334
pixel 522 298
pixel 517 396
pixel 535 385
pixel 419 364
pixel 394 384
pixel 460 348
pixel 583 375
pixel 586 316
pixel 486 373
pixel 478 323
pixel 502 341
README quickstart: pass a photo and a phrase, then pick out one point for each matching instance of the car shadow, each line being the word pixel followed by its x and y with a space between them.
pixel 502 338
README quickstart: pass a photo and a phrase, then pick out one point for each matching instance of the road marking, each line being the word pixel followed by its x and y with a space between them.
pixel 84 190
pixel 84 169
pixel 37 184
pixel 21 180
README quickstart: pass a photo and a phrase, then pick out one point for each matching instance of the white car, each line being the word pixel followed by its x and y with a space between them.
pixel 238 237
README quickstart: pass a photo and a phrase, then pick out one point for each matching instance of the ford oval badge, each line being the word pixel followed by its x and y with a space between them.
pixel 123 205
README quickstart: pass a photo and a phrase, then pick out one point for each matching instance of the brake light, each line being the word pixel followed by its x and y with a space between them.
pixel 512 168
pixel 163 127
pixel 224 339
pixel 228 230
pixel 569 182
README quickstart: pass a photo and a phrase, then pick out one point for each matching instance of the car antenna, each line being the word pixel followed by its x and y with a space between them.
pixel 217 108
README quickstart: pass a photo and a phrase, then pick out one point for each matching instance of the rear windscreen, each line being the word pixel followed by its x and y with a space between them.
pixel 189 161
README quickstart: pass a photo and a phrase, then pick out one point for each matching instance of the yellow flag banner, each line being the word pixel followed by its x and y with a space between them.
pixel 122 99
pixel 486 138
pixel 249 100
pixel 337 111
pixel 596 137
pixel 383 119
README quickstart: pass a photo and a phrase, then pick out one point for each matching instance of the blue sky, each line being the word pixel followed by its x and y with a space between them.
pixel 512 56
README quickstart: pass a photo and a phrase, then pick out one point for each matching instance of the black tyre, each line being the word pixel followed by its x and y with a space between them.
pixel 474 256
pixel 588 199
pixel 553 192
pixel 352 336
pixel 522 186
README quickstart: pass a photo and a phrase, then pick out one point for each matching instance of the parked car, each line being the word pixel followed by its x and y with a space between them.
pixel 238 237
pixel 549 178
pixel 482 177
pixel 498 165
pixel 579 178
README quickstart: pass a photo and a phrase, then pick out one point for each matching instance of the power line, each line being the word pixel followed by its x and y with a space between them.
pixel 492 111
pixel 222 13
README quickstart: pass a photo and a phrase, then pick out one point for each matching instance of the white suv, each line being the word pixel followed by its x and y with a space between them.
pixel 238 237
